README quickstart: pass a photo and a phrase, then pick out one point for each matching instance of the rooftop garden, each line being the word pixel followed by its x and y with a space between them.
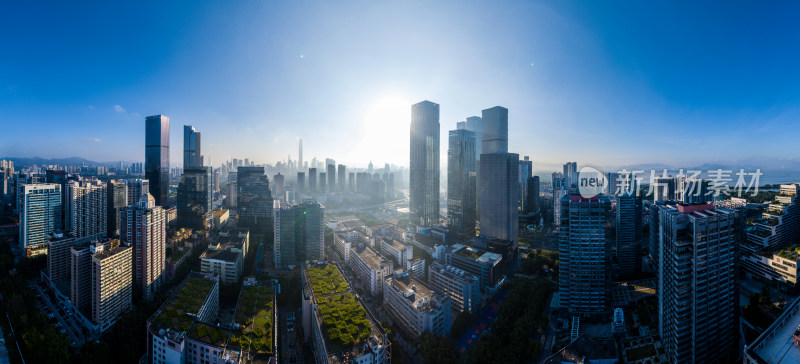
pixel 469 253
pixel 791 252
pixel 177 254
pixel 254 314
pixel 326 279
pixel 210 334
pixel 188 300
pixel 344 321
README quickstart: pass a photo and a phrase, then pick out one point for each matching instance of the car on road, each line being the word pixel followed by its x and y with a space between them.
pixel 63 331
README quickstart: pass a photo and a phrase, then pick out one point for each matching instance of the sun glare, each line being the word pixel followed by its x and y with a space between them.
pixel 386 132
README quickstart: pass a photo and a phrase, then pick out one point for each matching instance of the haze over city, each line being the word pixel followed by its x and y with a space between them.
pixel 680 84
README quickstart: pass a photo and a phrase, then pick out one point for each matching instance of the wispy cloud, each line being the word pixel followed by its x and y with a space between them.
pixel 93 140
pixel 118 108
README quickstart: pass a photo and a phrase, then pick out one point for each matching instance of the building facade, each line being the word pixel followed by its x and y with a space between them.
pixel 499 195
pixel 424 164
pixel 629 233
pixel 143 227
pixel 87 209
pixel 463 288
pixel 156 158
pixel 461 180
pixel 415 307
pixel 299 234
pixel 254 202
pixel 195 198
pixel 39 216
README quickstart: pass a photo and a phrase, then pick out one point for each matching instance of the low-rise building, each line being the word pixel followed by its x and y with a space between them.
pixel 487 266
pixel 462 287
pixel 343 241
pixel 397 250
pixel 415 307
pixel 777 344
pixel 224 262
pixel 220 217
pixel 416 267
pixel 337 323
pixel 370 268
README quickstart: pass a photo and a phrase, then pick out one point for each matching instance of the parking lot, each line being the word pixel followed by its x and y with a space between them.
pixel 59 314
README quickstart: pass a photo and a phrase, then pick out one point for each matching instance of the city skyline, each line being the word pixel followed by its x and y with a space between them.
pixel 555 66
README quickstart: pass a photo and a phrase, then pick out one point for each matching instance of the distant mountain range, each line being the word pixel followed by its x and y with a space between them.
pixel 71 161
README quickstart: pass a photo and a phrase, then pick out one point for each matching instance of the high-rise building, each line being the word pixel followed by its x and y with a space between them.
pixel 301 182
pixel 424 164
pixel 156 157
pixel 111 283
pixel 697 282
pixel 300 157
pixel 254 202
pixel 195 198
pixel 342 176
pixel 299 234
pixel 694 190
pixel 629 232
pixel 494 130
pixel 117 199
pixel 39 215
pixel 525 173
pixel 351 181
pixel 278 180
pixel 461 179
pixel 312 180
pixel 323 182
pixel 331 174
pixel 136 189
pixel 664 189
pixel 584 255
pixel 499 195
pixel 192 156
pixel 570 174
pixel 143 227
pixel 533 194
pixel 474 125
pixel 87 209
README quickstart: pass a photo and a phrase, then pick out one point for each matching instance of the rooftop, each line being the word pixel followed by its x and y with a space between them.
pixel 776 343
pixel 107 252
pixel 254 314
pixel 372 258
pixel 220 254
pixel 209 334
pixel 326 279
pixel 416 292
pixel 179 312
pixel 583 350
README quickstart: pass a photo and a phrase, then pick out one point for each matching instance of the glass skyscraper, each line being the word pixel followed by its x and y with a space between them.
pixel 191 147
pixel 254 201
pixel 461 176
pixel 194 198
pixel 299 234
pixel 40 214
pixel 424 164
pixel 156 157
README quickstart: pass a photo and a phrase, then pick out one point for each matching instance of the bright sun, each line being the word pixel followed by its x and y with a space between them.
pixel 386 132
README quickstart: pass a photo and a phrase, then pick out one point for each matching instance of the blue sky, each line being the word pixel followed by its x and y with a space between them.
pixel 606 83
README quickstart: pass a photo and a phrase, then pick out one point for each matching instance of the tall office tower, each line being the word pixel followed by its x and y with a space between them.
pixel 299 234
pixel 87 209
pixel 323 182
pixel 695 190
pixel 351 181
pixel 494 133
pixel 331 173
pixel 117 199
pixel 557 180
pixel 312 180
pixel 474 125
pixel 279 184
pixel 629 232
pixel 525 173
pixel 143 226
pixel 461 204
pixel 111 282
pixel 246 162
pixel 136 189
pixel 696 282
pixel 424 164
pixel 664 188
pixel 342 178
pixel 300 157
pixel 533 194
pixel 390 186
pixel 301 182
pixel 585 254
pixel 570 174
pixel 156 157
pixel 499 195
pixel 191 147
pixel 254 202
pixel 195 198
pixel 39 215
pixel 613 186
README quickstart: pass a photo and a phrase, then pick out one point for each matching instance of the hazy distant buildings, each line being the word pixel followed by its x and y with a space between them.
pixel 195 198
pixel 192 156
pixel 342 176
pixel 278 182
pixel 331 174
pixel 299 234
pixel 301 182
pixel 323 181
pixel 143 227
pixel 156 157
pixel 461 180
pixel 39 215
pixel 584 255
pixel 570 174
pixel 254 202
pixel 424 164
pixel 312 180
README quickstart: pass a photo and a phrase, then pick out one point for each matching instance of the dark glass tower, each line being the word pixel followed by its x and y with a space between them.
pixel 424 164
pixel 461 189
pixel 254 202
pixel 156 157
pixel 194 198
pixel 191 147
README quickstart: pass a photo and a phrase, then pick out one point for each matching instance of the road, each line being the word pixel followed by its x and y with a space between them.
pixel 49 305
